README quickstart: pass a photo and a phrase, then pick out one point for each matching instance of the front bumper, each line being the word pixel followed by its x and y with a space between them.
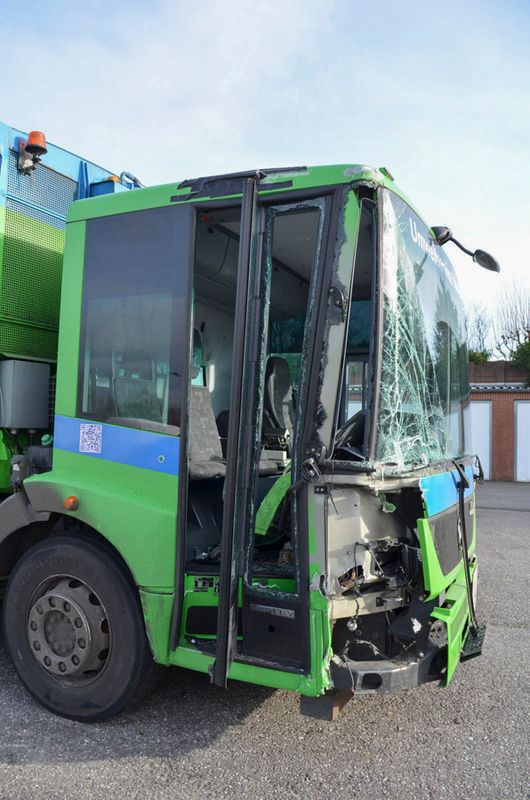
pixel 373 677
pixel 459 642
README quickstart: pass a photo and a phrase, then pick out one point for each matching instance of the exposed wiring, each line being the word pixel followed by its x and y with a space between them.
pixel 354 617
pixel 394 635
pixel 372 555
pixel 217 271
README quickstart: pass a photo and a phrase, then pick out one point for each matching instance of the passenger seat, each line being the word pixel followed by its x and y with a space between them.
pixel 205 452
pixel 278 403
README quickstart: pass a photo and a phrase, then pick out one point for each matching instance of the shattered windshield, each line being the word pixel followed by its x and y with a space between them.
pixel 424 373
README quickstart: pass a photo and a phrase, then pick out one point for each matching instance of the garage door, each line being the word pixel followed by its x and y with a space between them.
pixel 479 432
pixel 522 440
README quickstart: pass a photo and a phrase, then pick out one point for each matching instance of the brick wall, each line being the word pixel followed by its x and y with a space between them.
pixel 503 428
pixel 497 372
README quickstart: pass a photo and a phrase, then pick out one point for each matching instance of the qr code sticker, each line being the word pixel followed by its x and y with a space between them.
pixel 90 438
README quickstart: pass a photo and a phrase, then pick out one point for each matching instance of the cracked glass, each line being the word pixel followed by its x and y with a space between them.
pixel 424 372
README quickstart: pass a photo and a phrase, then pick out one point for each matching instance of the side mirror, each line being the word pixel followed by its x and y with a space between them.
pixel 442 235
pixel 485 260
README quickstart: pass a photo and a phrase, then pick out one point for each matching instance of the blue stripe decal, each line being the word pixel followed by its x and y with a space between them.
pixel 440 492
pixel 131 446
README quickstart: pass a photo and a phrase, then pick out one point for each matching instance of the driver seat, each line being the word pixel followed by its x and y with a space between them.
pixel 278 402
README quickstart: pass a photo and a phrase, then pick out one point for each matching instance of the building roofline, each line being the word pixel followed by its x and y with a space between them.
pixel 499 387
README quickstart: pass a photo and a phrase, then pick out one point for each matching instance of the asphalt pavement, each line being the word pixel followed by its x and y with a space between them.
pixel 192 740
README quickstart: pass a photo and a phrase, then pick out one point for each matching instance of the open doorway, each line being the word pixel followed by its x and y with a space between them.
pixel 351 441
pixel 289 250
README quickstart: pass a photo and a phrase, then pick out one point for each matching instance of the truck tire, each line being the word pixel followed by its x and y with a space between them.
pixel 74 629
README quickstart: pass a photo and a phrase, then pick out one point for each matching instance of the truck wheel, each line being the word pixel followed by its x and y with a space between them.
pixel 74 629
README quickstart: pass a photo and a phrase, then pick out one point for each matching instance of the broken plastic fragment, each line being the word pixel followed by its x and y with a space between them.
pixel 386 505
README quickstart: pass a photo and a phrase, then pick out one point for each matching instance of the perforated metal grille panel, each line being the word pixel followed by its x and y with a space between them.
pixel 43 187
pixel 30 279
pixel 37 214
pixel 22 341
pixel 31 273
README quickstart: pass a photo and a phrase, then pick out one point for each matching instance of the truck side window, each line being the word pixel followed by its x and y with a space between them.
pixel 134 296
pixel 198 371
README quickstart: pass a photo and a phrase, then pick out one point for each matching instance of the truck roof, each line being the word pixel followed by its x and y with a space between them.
pixel 216 187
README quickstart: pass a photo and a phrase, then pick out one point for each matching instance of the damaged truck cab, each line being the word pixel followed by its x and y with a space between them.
pixel 262 391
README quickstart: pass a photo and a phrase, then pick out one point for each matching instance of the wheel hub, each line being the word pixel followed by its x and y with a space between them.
pixel 67 629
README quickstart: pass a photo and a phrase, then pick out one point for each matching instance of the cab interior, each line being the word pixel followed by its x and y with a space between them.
pixel 290 246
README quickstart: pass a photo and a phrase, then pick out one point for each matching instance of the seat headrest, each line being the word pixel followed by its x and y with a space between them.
pixel 278 397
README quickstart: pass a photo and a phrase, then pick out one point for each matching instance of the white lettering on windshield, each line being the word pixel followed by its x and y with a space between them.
pixel 429 248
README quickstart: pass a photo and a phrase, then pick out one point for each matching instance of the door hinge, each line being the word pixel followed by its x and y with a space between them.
pixel 337 298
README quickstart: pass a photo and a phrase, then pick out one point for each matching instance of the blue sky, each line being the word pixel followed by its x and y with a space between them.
pixel 438 93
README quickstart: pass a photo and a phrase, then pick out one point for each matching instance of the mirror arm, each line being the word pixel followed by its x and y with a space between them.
pixel 442 235
pixel 461 246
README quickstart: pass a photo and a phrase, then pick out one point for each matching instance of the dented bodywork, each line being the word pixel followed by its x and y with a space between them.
pixel 328 556
pixel 391 548
pixel 378 597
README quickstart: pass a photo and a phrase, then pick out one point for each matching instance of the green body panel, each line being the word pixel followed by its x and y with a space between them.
pixel 434 580
pixel 71 300
pixel 455 614
pixel 320 630
pixel 157 608
pixel 271 502
pixel 275 679
pixel 134 508
pixel 2 233
pixel 209 597
pixel 455 609
pixel 312 685
pixel 320 640
pixel 31 258
pixel 6 452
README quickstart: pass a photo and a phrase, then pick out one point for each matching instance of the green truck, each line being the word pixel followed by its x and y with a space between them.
pixel 256 466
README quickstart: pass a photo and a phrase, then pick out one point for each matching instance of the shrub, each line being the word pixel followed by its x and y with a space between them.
pixel 478 356
pixel 521 358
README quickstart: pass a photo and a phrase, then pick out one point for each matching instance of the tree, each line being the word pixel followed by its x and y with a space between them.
pixel 478 356
pixel 478 332
pixel 511 323
pixel 521 358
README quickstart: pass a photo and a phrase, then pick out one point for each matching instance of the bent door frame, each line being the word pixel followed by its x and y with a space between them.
pixel 256 604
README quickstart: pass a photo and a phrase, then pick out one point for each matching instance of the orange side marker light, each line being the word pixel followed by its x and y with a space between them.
pixel 71 503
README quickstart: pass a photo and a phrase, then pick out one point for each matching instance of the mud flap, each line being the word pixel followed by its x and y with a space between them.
pixel 326 707
pixel 455 615
pixel 474 643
